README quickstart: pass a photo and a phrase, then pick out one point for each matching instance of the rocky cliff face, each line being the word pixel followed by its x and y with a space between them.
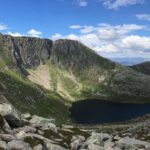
pixel 25 51
pixel 72 70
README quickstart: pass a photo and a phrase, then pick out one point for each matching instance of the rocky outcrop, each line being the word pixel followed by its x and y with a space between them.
pixel 11 114
pixel 25 51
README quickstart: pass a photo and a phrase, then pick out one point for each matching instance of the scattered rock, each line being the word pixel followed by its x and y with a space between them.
pixel 77 142
pixel 42 134
pixel 3 145
pixel 78 137
pixel 23 136
pixel 67 126
pixel 7 137
pixel 109 145
pixel 40 120
pixel 26 116
pixel 116 138
pixel 26 129
pixel 50 126
pixel 51 146
pixel 131 143
pixel 10 114
pixel 98 138
pixel 93 147
pixel 18 145
pixel 38 147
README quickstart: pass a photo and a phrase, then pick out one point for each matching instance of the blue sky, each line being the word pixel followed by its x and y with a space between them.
pixel 113 28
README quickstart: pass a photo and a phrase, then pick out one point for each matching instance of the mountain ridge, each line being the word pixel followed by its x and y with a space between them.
pixel 142 67
pixel 75 71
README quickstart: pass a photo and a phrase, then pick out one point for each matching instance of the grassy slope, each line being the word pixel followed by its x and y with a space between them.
pixel 82 72
pixel 29 97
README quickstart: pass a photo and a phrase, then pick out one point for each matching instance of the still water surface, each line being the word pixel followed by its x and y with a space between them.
pixel 97 111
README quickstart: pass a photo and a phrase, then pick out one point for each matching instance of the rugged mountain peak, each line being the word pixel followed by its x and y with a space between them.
pixel 73 54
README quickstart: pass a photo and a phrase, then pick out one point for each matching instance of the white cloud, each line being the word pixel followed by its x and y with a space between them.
pixel 34 33
pixel 110 48
pixel 15 34
pixel 82 3
pixel 112 40
pixel 56 36
pixel 115 4
pixel 87 29
pixel 3 26
pixel 126 28
pixel 75 27
pixel 73 37
pixel 143 17
pixel 135 42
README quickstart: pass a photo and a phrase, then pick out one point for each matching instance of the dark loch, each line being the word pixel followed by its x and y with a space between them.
pixel 97 111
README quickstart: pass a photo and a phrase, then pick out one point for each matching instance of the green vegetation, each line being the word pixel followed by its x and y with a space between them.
pixel 29 97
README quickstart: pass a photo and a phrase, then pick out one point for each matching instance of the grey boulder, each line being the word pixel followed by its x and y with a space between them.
pixel 18 145
pixel 10 114
pixel 38 147
pixel 130 143
pixel 43 123
pixel 7 137
pixel 3 145
pixel 50 146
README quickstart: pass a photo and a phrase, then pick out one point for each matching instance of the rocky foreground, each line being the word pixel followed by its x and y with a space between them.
pixel 27 132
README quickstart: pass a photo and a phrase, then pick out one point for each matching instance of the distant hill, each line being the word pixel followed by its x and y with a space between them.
pixel 128 61
pixel 143 67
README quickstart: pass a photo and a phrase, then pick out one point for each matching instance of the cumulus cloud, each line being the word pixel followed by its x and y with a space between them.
pixel 135 42
pixel 115 4
pixel 34 33
pixel 56 36
pixel 145 17
pixel 3 26
pixel 106 39
pixel 82 3
pixel 15 34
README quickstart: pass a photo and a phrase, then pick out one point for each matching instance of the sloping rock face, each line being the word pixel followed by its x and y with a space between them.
pixel 74 71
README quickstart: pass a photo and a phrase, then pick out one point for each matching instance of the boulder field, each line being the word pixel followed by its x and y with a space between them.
pixel 30 132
